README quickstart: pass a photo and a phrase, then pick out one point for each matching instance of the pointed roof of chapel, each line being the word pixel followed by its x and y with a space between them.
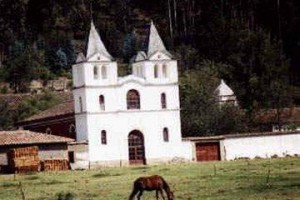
pixel 155 42
pixel 224 90
pixel 95 44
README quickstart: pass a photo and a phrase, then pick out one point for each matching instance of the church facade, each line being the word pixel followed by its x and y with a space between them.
pixel 133 119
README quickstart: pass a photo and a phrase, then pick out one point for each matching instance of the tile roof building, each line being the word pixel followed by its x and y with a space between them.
pixel 49 146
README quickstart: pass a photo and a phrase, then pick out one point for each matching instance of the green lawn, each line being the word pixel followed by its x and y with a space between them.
pixel 244 179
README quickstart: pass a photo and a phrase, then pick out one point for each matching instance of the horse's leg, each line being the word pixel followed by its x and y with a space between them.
pixel 140 194
pixel 133 193
pixel 162 194
pixel 156 194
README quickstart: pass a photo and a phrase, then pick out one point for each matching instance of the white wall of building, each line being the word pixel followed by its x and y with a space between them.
pixel 261 146
pixel 146 69
pixel 118 121
pixel 119 125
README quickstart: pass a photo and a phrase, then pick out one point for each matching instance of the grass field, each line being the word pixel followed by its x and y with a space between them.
pixel 244 179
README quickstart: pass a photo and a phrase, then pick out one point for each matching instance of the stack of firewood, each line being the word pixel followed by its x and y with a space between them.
pixel 54 165
pixel 23 160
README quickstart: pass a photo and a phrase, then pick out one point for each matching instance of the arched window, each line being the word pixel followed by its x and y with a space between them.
pixel 166 135
pixel 164 70
pixel 102 102
pixel 95 72
pixel 72 131
pixel 133 99
pixel 163 100
pixel 103 137
pixel 156 71
pixel 49 131
pixel 104 72
pixel 80 104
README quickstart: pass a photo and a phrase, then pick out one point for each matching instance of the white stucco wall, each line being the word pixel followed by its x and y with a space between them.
pixel 83 74
pixel 261 146
pixel 148 123
pixel 115 97
pixel 118 122
pixel 146 69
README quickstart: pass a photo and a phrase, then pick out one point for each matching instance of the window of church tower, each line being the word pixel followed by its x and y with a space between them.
pixel 164 70
pixel 49 131
pixel 102 102
pixel 163 100
pixel 133 99
pixel 156 71
pixel 104 72
pixel 95 72
pixel 103 137
pixel 166 134
pixel 72 131
pixel 80 104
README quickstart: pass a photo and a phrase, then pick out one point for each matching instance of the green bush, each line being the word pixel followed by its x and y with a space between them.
pixel 65 196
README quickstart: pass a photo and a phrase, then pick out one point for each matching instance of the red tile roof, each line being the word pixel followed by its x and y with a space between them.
pixel 29 137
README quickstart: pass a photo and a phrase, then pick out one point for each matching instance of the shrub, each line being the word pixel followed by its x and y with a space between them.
pixel 274 156
pixel 65 196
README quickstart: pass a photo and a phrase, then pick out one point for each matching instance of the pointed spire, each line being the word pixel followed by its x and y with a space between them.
pixel 80 58
pixel 155 43
pixel 95 44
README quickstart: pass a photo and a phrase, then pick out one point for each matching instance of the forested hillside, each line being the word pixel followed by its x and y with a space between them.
pixel 253 44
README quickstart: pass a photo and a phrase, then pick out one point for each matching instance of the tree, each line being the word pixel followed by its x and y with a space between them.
pixel 201 114
pixel 129 45
pixel 33 105
pixel 61 59
pixel 24 67
pixel 6 121
pixel 255 64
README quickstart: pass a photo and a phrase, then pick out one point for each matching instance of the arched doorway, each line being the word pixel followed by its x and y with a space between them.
pixel 136 148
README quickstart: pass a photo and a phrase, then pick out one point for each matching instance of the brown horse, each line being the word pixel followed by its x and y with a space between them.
pixel 151 183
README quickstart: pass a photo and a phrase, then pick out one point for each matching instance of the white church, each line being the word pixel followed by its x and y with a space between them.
pixel 133 119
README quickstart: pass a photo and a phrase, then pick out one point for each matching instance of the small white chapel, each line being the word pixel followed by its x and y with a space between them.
pixel 133 119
